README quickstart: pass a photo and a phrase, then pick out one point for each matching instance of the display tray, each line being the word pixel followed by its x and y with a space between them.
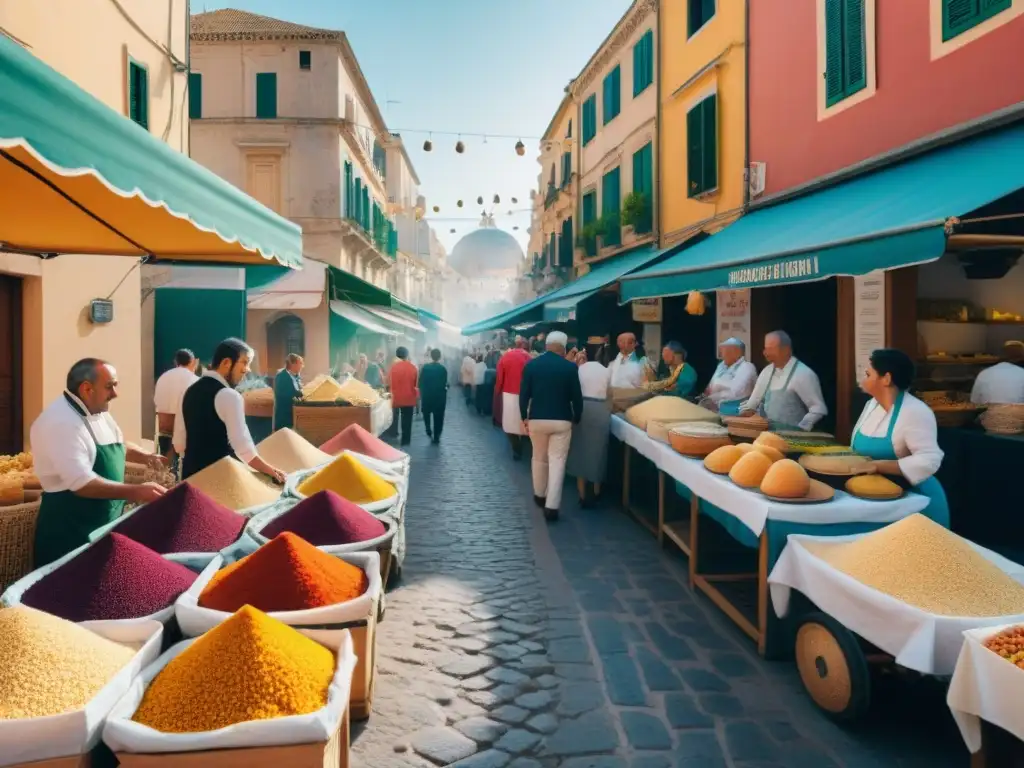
pixel 820 493
pixel 861 469
pixel 895 497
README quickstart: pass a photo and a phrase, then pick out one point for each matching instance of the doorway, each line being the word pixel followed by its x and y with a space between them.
pixel 285 336
pixel 11 427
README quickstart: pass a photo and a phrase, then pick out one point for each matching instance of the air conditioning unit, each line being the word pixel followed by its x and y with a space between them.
pixel 755 179
pixel 350 109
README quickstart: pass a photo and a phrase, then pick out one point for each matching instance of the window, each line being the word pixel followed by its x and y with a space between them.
pixel 568 131
pixel 565 244
pixel 552 251
pixel 702 146
pixel 356 213
pixel 611 199
pixel 589 217
pixel 589 119
pixel 958 16
pixel 612 95
pixel 349 191
pixel 643 174
pixel 643 63
pixel 138 93
pixel 845 53
pixel 305 60
pixel 566 168
pixel 195 95
pixel 266 94
pixel 701 12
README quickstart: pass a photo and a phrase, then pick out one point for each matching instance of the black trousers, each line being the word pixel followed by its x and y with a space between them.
pixel 467 390
pixel 433 418
pixel 403 415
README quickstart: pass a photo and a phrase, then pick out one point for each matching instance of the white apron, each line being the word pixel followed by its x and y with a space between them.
pixel 511 422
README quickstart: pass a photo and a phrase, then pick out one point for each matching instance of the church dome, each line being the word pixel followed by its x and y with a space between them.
pixel 486 252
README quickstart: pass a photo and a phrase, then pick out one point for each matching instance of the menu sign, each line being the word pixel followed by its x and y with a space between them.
pixel 733 310
pixel 647 310
pixel 868 317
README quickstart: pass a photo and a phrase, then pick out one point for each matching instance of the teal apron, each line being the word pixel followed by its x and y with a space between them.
pixel 882 449
pixel 783 408
pixel 66 519
pixel 730 407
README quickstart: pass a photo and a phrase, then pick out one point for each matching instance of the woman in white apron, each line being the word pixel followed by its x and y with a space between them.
pixel 899 431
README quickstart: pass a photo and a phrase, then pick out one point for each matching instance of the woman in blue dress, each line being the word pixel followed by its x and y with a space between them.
pixel 899 432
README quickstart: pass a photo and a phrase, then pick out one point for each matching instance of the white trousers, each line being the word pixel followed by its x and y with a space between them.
pixel 550 441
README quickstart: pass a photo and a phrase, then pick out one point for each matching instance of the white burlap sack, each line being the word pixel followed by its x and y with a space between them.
pixel 195 620
pixel 400 481
pixel 75 733
pixel 122 734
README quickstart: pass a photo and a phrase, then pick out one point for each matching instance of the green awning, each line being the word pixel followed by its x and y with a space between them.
pixel 348 287
pixel 78 177
pixel 889 218
pixel 361 318
pixel 564 310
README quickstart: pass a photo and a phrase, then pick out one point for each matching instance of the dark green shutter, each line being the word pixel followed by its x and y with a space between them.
pixel 855 63
pixel 566 168
pixel 612 95
pixel 366 209
pixel 266 95
pixel 195 95
pixel 589 207
pixel 694 155
pixel 589 119
pixel 606 100
pixel 643 170
pixel 643 63
pixel 709 139
pixel 348 190
pixel 566 246
pixel 960 15
pixel 568 131
pixel 611 201
pixel 357 202
pixel 138 94
pixel 835 88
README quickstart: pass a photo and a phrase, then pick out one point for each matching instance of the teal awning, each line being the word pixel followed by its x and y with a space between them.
pixel 361 318
pixel 78 177
pixel 889 218
pixel 564 310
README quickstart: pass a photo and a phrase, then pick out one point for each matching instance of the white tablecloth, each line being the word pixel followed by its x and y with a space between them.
pixel 985 687
pixel 916 639
pixel 751 508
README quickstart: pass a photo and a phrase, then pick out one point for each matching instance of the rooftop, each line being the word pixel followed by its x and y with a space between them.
pixel 229 25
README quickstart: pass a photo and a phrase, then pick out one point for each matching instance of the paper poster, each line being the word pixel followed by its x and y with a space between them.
pixel 868 317
pixel 647 310
pixel 733 310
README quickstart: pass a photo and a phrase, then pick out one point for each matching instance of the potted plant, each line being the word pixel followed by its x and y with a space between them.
pixel 636 214
pixel 586 239
pixel 610 230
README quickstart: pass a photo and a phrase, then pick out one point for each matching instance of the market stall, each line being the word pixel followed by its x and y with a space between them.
pixel 735 536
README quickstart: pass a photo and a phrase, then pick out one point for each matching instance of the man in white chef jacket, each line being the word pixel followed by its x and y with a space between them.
pixel 1003 383
pixel 626 369
pixel 733 380
pixel 787 392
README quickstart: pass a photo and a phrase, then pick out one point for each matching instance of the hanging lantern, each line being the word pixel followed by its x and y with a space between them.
pixel 497 199
pixel 437 209
pixel 520 148
pixel 453 231
pixel 480 200
pixel 428 145
pixel 695 303
pixel 459 203
pixel 516 228
pixel 514 201
pixel 460 147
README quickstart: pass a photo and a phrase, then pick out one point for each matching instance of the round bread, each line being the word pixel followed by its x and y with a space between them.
pixel 771 452
pixel 786 479
pixel 750 470
pixel 773 441
pixel 699 429
pixel 873 487
pixel 833 463
pixel 721 460
pixel 746 448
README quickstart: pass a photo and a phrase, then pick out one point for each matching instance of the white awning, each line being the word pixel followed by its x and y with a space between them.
pixel 359 316
pixel 299 289
pixel 397 318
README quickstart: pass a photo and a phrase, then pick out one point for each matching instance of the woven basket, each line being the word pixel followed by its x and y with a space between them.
pixel 17 540
pixel 1003 419
pixel 954 417
pixel 319 423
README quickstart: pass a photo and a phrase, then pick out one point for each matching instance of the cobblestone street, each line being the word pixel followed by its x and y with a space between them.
pixel 513 643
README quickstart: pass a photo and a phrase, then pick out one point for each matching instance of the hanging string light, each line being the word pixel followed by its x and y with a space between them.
pixel 428 145
pixel 497 199
pixel 459 203
pixel 480 200
pixel 460 147
pixel 437 209
pixel 520 148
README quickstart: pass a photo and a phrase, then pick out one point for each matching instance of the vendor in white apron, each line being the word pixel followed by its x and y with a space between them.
pixel 787 392
pixel 899 431
pixel 733 380
pixel 79 454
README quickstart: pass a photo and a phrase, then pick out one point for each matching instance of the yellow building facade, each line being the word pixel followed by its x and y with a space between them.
pixel 556 200
pixel 702 157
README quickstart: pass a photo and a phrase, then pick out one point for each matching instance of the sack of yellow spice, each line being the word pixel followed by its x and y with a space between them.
pixel 249 682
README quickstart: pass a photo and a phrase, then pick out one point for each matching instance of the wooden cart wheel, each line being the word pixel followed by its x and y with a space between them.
pixel 832 667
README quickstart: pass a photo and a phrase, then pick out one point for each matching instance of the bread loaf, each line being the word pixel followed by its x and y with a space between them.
pixel 786 479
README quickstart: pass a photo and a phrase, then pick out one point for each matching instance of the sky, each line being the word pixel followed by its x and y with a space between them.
pixel 477 66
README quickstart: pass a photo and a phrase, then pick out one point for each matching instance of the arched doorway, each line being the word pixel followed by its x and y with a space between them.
pixel 285 336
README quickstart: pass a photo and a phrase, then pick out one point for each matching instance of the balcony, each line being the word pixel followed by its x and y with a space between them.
pixel 551 196
pixel 380 244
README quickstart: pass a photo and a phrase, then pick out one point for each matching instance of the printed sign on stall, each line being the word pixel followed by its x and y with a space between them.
pixel 647 310
pixel 868 317
pixel 732 308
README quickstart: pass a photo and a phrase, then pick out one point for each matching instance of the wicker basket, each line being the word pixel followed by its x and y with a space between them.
pixel 1003 419
pixel 954 417
pixel 17 540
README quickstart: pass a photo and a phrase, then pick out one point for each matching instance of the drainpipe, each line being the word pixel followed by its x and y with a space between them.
pixel 188 63
pixel 578 141
pixel 656 160
pixel 746 104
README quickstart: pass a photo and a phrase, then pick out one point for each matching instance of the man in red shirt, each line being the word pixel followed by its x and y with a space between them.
pixel 404 378
pixel 506 394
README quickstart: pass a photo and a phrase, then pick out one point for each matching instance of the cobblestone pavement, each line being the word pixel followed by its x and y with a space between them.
pixel 513 643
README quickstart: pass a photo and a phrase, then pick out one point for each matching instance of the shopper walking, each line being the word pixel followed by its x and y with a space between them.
pixel 550 402
pixel 506 394
pixel 404 378
pixel 434 395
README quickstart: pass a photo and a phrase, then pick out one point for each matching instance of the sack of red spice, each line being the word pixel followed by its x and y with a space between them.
pixel 321 622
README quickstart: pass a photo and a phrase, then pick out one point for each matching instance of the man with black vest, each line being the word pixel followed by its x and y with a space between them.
pixel 213 425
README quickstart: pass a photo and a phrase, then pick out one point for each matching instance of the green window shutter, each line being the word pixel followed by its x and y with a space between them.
pixel 958 16
pixel 612 95
pixel 138 93
pixel 357 201
pixel 855 61
pixel 552 251
pixel 589 119
pixel 565 245
pixel 266 95
pixel 195 95
pixel 589 207
pixel 366 209
pixel 611 202
pixel 709 140
pixel 694 150
pixel 348 190
pixel 835 81
pixel 305 60
pixel 700 13
pixel 566 168
pixel 643 170
pixel 568 131
pixel 643 63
